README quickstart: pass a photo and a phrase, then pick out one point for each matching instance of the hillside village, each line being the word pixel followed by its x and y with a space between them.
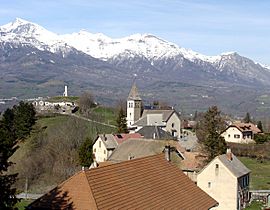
pixel 158 145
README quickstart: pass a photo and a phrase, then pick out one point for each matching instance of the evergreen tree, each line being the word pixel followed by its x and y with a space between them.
pixel 247 118
pixel 121 122
pixel 7 148
pixel 259 125
pixel 15 125
pixel 24 119
pixel 208 133
pixel 85 153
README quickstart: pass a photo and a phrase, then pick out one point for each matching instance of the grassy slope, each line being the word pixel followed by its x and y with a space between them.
pixel 109 114
pixel 260 173
pixel 48 123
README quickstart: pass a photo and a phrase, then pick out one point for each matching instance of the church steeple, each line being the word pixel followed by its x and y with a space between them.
pixel 134 94
pixel 134 106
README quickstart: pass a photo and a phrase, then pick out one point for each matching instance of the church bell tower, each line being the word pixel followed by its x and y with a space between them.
pixel 134 106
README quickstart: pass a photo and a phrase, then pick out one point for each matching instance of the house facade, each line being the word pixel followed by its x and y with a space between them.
pixel 105 144
pixel 240 133
pixel 226 179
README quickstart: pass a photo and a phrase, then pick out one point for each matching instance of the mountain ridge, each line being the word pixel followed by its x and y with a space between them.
pixel 35 62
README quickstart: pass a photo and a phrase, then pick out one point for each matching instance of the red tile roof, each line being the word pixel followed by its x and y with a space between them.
pixel 120 138
pixel 247 127
pixel 144 183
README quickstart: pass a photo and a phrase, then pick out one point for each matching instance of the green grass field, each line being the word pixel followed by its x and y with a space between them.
pixel 109 114
pixel 260 173
pixel 23 203
pixel 255 205
pixel 51 121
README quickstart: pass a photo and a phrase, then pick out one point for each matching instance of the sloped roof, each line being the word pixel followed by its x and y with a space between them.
pixel 108 140
pixel 111 141
pixel 137 149
pixel 236 167
pixel 144 183
pixel 247 127
pixel 166 114
pixel 74 193
pixel 149 132
pixel 120 138
pixel 134 94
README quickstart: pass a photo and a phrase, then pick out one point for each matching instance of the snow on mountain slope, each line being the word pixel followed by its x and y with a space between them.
pixel 147 45
pixel 103 47
pixel 96 45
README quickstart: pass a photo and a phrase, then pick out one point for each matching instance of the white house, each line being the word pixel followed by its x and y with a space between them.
pixel 240 133
pixel 105 144
pixel 226 179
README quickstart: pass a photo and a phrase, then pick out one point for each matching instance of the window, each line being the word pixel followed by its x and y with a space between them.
pixel 209 184
pixel 236 136
pixel 105 152
pixel 99 144
pixel 217 170
pixel 95 150
pixel 172 125
pixel 229 135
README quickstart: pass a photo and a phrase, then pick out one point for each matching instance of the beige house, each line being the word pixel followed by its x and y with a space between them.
pixel 105 144
pixel 226 179
pixel 240 133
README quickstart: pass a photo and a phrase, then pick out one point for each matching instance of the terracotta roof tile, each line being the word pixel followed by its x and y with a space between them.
pixel 247 127
pixel 144 183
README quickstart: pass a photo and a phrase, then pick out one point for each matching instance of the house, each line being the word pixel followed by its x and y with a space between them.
pixel 167 119
pixel 240 133
pixel 226 179
pixel 145 183
pixel 105 144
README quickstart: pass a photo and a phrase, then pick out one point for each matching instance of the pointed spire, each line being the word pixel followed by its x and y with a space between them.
pixel 133 94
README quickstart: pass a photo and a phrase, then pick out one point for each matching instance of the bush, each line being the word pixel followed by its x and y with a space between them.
pixel 261 138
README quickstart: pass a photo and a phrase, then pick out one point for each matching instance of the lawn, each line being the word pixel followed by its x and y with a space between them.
pixel 51 121
pixel 108 114
pixel 255 205
pixel 23 203
pixel 260 173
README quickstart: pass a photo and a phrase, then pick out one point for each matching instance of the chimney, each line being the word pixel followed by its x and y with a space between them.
pixel 229 154
pixel 167 152
pixel 130 157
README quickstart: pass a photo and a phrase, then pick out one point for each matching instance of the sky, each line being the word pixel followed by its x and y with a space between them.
pixel 209 27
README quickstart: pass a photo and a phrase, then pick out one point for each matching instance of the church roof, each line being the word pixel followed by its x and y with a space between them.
pixel 134 94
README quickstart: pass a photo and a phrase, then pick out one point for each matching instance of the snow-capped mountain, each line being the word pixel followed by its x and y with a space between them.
pixel 138 53
pixel 97 45
pixel 39 61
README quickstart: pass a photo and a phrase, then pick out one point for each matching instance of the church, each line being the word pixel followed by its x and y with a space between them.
pixel 137 117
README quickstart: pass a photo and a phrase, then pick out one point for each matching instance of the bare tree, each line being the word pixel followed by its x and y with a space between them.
pixel 86 102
